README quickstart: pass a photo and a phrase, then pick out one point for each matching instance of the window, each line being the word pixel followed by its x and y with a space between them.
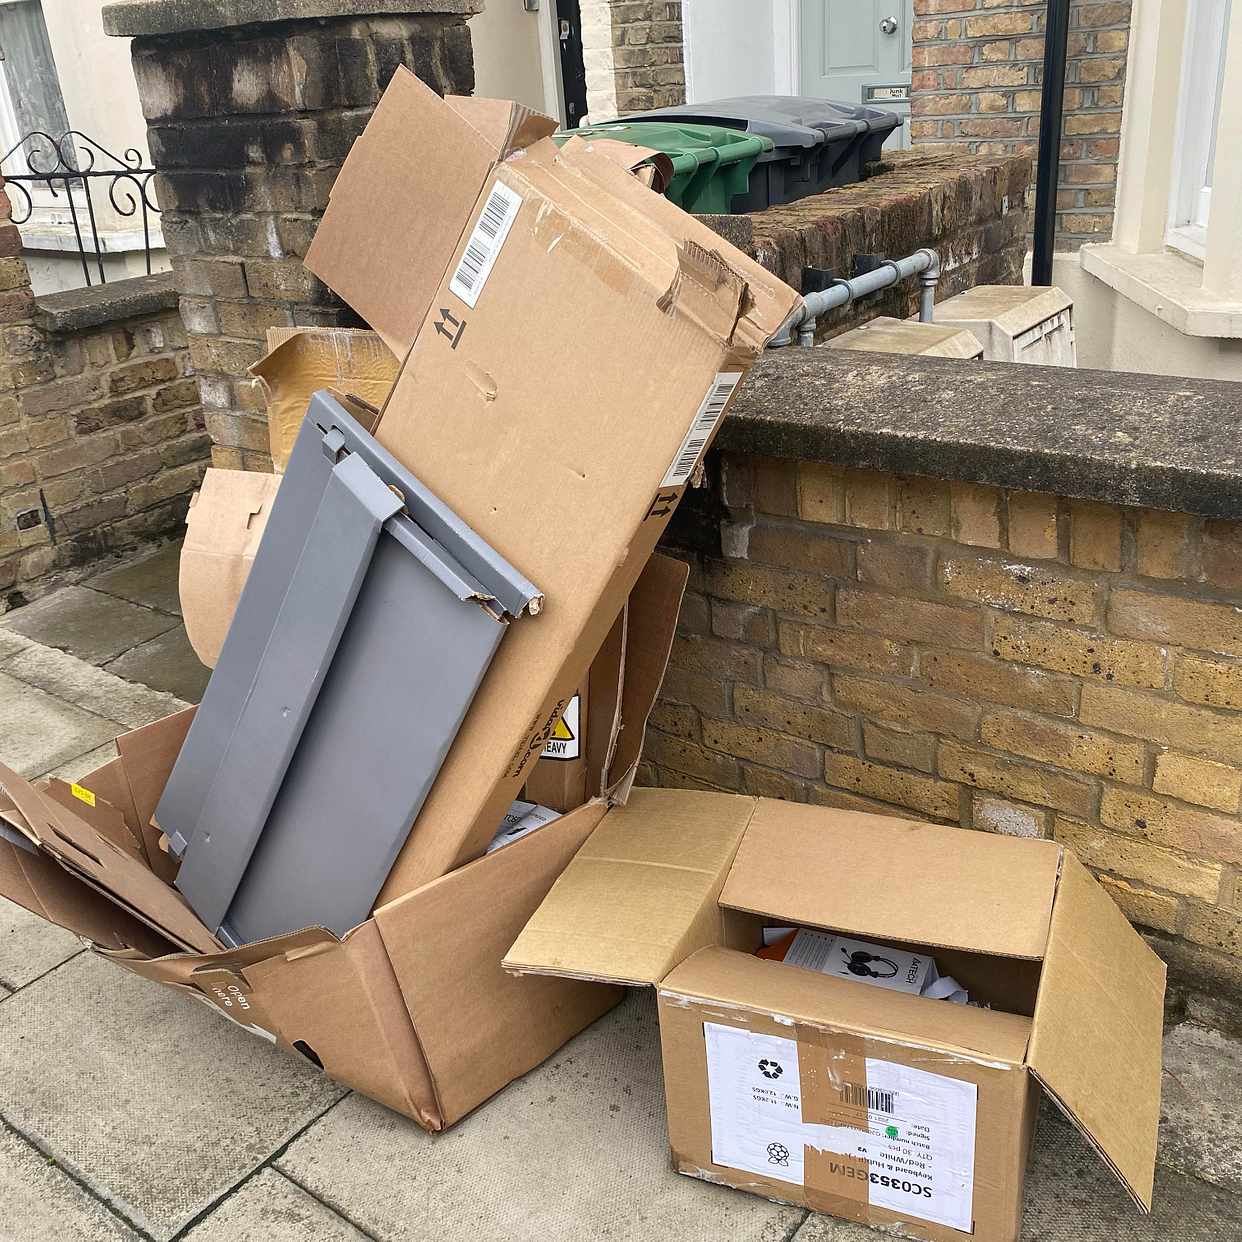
pixel 1202 81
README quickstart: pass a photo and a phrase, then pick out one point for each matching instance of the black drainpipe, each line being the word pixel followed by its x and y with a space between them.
pixel 1047 172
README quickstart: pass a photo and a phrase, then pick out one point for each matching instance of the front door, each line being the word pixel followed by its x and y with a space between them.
pixel 858 51
pixel 573 73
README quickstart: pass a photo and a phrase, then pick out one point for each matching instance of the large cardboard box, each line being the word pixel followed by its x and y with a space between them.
pixel 571 341
pixel 412 1007
pixel 876 1105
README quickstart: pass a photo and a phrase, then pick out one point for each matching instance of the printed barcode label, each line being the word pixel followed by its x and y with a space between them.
pixel 701 429
pixel 486 239
pixel 872 1098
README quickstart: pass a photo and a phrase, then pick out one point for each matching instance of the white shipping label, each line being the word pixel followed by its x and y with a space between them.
pixel 566 739
pixel 710 413
pixel 920 1140
pixel 486 239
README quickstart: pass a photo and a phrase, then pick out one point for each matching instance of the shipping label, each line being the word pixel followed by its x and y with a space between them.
pixel 916 1155
pixel 485 243
pixel 710 413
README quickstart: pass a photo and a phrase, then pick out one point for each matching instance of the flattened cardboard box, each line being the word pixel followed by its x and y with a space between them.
pixel 411 1007
pixel 573 341
pixel 867 1103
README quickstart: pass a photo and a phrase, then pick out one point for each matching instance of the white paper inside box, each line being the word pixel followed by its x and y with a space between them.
pixel 412 1007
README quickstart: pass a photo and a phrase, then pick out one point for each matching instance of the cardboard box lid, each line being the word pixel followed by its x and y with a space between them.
pixel 404 195
pixel 893 879
pixel 1098 1023
pixel 641 894
pixel 727 977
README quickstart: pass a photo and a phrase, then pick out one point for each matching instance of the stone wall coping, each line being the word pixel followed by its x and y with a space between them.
pixel 79 309
pixel 162 17
pixel 1162 442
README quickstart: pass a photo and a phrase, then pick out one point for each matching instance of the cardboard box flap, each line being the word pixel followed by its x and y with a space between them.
pixel 1098 1024
pixel 301 361
pixel 942 887
pixel 653 168
pixel 654 606
pixel 38 884
pixel 748 982
pixel 641 894
pixel 398 207
pixel 226 520
pixel 475 1022
pixel 147 755
pixel 504 125
pixel 85 852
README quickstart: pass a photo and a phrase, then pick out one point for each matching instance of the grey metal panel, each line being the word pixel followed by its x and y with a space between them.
pixel 354 654
pixel 313 615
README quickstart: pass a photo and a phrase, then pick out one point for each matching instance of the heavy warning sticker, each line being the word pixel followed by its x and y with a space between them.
pixel 566 739
pixel 916 1157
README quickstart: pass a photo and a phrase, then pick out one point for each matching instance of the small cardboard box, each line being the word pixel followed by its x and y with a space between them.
pixel 412 1007
pixel 570 342
pixel 866 1103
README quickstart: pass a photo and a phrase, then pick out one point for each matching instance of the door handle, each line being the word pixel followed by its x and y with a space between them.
pixel 888 25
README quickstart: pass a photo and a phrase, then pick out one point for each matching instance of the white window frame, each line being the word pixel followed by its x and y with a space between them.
pixel 1202 80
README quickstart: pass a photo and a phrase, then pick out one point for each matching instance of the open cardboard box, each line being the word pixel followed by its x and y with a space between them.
pixel 412 1007
pixel 863 1102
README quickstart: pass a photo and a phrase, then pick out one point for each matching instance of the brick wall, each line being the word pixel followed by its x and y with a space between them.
pixel 972 209
pixel 1012 662
pixel 248 129
pixel 101 434
pixel 632 52
pixel 978 66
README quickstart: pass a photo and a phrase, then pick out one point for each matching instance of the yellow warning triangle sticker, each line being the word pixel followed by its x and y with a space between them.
pixel 562 732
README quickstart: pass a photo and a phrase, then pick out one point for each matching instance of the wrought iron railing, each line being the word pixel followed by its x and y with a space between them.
pixel 70 167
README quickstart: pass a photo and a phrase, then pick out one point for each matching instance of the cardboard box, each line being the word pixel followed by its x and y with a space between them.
pixel 866 1103
pixel 301 361
pixel 571 341
pixel 412 1007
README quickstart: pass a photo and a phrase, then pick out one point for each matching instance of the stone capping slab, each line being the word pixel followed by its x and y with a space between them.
pixel 128 18
pixel 1163 442
pixel 78 309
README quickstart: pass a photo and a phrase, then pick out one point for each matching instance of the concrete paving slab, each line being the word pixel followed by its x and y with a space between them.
pixel 151 581
pixel 158 1104
pixel 576 1150
pixel 96 689
pixel 75 769
pixel 88 624
pixel 11 644
pixel 40 1202
pixel 1201 1106
pixel 270 1208
pixel 39 731
pixel 166 662
pixel 29 946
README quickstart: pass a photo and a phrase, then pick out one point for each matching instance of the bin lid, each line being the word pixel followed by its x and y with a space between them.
pixel 675 136
pixel 789 120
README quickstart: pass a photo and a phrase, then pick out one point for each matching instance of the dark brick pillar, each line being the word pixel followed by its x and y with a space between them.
pixel 251 107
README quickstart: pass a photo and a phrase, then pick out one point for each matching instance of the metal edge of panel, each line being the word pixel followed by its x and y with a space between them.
pixel 507 585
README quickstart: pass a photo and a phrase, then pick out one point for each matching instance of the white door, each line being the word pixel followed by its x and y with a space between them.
pixel 858 51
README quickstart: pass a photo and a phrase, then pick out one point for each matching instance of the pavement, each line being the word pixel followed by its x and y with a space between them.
pixel 128 1111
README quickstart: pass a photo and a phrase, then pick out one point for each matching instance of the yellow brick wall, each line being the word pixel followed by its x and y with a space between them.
pixel 1009 661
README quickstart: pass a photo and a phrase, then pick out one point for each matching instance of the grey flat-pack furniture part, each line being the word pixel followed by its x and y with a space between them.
pixel 370 616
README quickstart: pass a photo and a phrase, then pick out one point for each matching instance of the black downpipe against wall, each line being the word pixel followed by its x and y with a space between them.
pixel 1047 172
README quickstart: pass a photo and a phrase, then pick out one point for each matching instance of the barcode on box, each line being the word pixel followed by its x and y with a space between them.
pixel 701 429
pixel 871 1098
pixel 486 239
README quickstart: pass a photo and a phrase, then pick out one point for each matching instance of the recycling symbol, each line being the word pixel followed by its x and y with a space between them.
pixel 778 1153
pixel 770 1069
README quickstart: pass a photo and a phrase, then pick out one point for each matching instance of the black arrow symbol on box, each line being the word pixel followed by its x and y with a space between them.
pixel 447 317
